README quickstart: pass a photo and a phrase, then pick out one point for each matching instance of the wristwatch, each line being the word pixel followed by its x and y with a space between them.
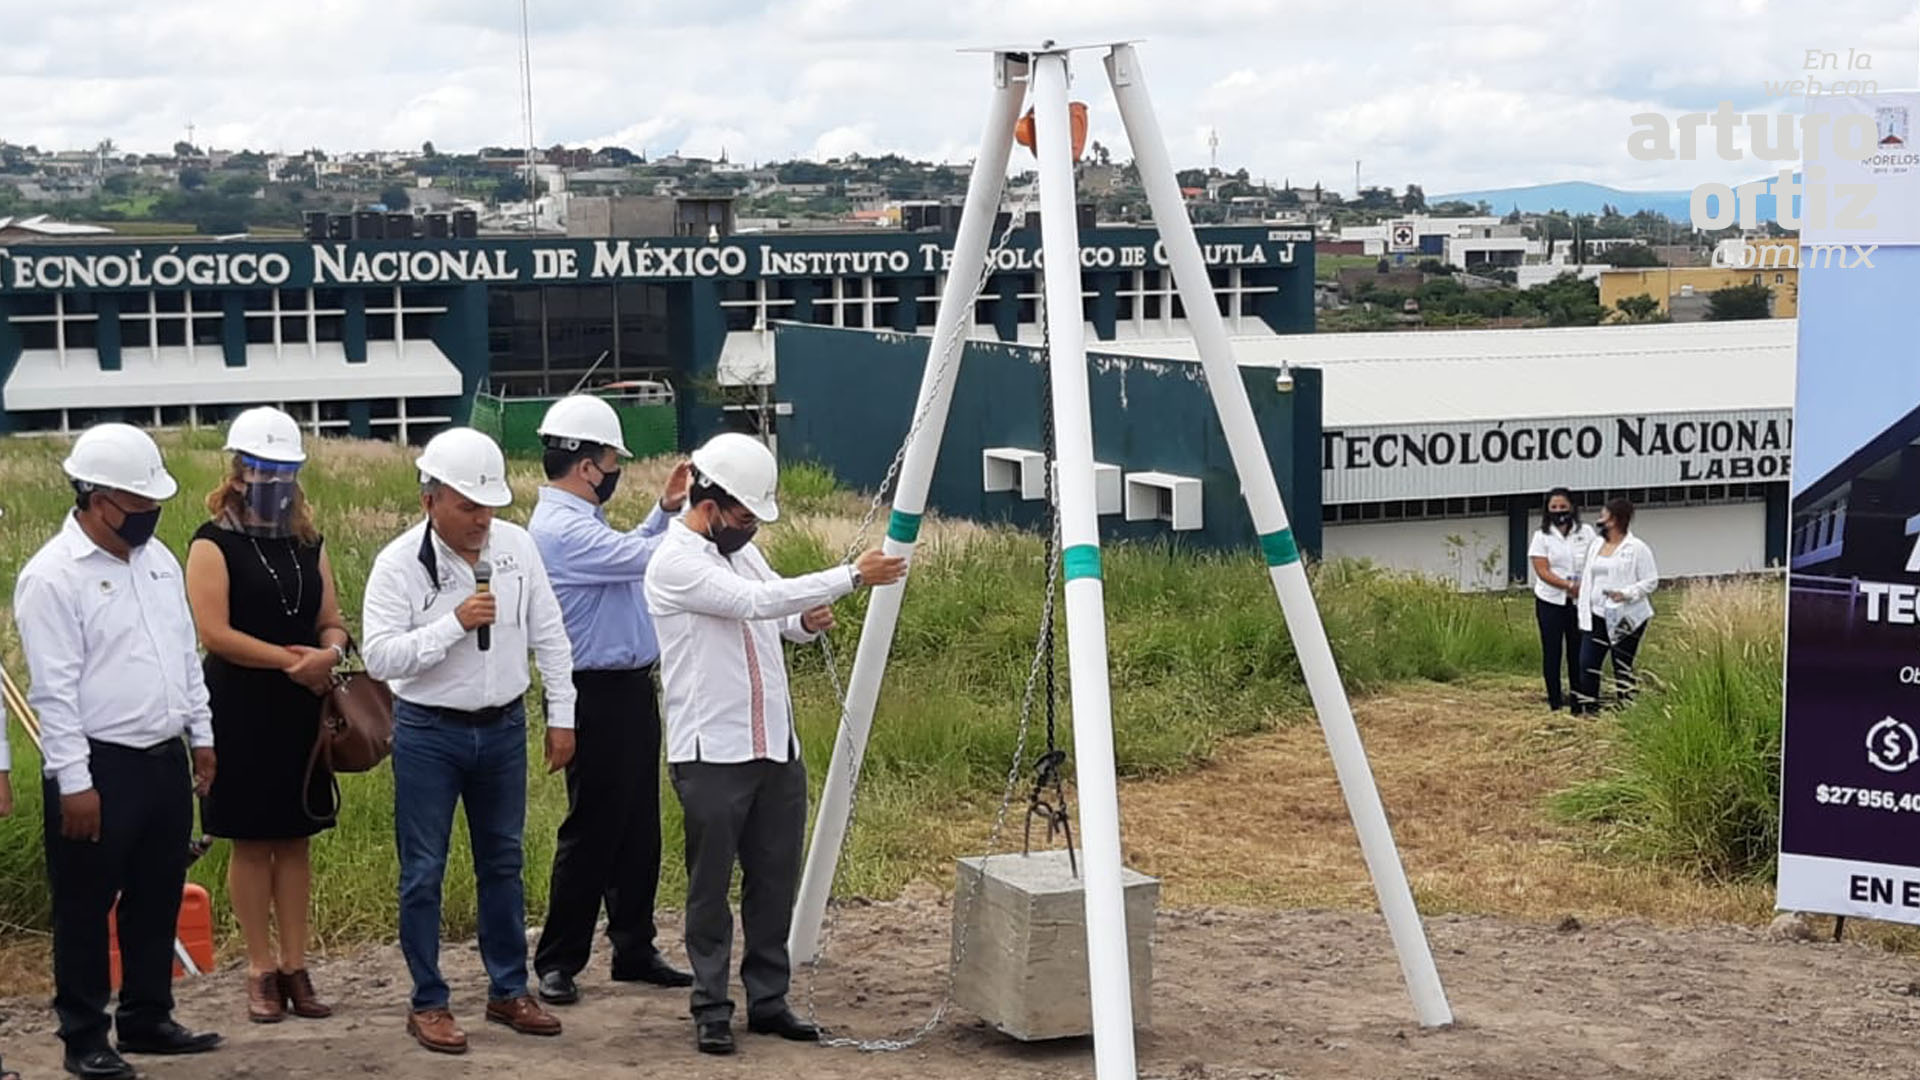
pixel 856 575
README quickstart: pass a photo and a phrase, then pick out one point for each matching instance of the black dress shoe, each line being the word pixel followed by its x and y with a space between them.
pixel 714 1037
pixel 558 988
pixel 99 1065
pixel 168 1038
pixel 784 1024
pixel 655 970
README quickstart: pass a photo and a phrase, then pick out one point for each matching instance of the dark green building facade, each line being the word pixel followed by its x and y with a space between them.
pixel 395 338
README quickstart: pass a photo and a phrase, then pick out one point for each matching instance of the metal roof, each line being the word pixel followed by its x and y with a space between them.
pixel 172 375
pixel 1436 376
pixel 38 223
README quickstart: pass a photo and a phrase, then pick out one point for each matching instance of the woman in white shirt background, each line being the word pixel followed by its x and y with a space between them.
pixel 1614 609
pixel 1557 552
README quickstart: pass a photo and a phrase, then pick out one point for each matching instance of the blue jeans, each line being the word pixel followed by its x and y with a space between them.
pixel 437 762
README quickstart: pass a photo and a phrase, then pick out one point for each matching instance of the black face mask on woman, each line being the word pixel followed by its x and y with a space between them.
pixel 1560 518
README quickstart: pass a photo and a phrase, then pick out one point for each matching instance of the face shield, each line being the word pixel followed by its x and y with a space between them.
pixel 271 492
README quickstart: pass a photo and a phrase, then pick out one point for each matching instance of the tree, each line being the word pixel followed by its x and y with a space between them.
pixel 121 184
pixel 184 148
pixel 1634 255
pixel 1414 199
pixel 426 149
pixel 1191 178
pixel 240 185
pixel 1740 302
pixel 395 198
pixel 192 179
pixel 1640 308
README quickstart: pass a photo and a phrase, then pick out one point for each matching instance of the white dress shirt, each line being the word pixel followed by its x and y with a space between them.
pixel 1565 553
pixel 6 755
pixel 720 622
pixel 413 640
pixel 1629 571
pixel 111 650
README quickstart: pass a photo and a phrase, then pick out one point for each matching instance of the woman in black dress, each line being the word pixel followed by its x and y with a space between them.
pixel 263 601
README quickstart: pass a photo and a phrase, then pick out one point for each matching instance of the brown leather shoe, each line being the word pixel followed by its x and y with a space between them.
pixel 524 1015
pixel 435 1030
pixel 266 1004
pixel 297 987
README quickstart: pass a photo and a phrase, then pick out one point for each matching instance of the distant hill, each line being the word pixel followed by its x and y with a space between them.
pixel 1575 197
pixel 1580 197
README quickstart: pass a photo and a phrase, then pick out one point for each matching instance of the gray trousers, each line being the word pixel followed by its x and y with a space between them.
pixel 754 813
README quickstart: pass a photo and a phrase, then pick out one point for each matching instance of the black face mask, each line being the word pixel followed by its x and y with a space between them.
pixel 1561 518
pixel 730 538
pixel 609 479
pixel 136 529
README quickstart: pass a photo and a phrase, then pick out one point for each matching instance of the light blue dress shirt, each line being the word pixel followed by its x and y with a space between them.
pixel 599 573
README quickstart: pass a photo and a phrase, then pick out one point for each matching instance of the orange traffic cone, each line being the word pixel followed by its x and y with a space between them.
pixel 194 935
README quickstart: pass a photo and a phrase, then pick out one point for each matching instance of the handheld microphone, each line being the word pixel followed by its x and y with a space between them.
pixel 482 584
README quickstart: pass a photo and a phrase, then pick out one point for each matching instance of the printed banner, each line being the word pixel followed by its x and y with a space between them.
pixel 1861 180
pixel 1850 770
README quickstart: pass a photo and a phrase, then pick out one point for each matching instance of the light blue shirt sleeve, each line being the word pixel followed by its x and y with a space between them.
pixel 587 552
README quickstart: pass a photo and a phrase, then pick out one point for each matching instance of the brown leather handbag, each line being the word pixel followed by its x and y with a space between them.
pixel 356 732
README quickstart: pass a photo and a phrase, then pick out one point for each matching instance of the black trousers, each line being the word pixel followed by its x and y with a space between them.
pixel 754 813
pixel 146 823
pixel 1593 656
pixel 1559 646
pixel 609 844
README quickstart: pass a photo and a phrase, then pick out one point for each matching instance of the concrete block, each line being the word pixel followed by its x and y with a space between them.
pixel 1024 970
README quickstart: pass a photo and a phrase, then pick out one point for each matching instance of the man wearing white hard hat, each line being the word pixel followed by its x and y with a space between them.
pixel 452 608
pixel 116 684
pixel 609 845
pixel 721 613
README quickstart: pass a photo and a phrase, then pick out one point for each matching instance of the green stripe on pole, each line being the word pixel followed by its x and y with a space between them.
pixel 1081 561
pixel 903 528
pixel 1280 548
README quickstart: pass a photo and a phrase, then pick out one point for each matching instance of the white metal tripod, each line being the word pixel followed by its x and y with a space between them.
pixel 1044 69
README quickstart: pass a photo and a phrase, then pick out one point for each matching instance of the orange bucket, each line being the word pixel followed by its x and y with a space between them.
pixel 194 930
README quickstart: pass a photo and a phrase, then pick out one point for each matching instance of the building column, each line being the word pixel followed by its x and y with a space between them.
pixel 1519 526
pixel 1779 524
pixel 233 328
pixel 106 333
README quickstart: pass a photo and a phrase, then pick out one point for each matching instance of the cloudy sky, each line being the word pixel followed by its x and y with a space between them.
pixel 1451 94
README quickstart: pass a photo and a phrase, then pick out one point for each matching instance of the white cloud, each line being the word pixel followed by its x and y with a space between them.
pixel 1450 94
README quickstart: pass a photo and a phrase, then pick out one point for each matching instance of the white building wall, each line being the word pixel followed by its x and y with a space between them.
pixel 1687 541
pixel 1478 561
pixel 1690 541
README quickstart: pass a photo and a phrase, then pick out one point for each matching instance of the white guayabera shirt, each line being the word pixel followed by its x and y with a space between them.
pixel 721 620
pixel 111 649
pixel 414 639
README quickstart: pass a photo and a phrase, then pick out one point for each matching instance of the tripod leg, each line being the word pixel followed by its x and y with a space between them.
pixel 1270 520
pixel 954 321
pixel 1107 955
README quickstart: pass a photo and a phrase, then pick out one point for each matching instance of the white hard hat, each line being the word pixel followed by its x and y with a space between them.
pixel 744 468
pixel 268 433
pixel 121 457
pixel 586 418
pixel 469 463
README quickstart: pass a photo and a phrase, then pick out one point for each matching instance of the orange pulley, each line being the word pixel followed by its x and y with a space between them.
pixel 1077 116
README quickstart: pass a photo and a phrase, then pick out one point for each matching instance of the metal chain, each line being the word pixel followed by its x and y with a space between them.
pixel 940 371
pixel 1041 661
